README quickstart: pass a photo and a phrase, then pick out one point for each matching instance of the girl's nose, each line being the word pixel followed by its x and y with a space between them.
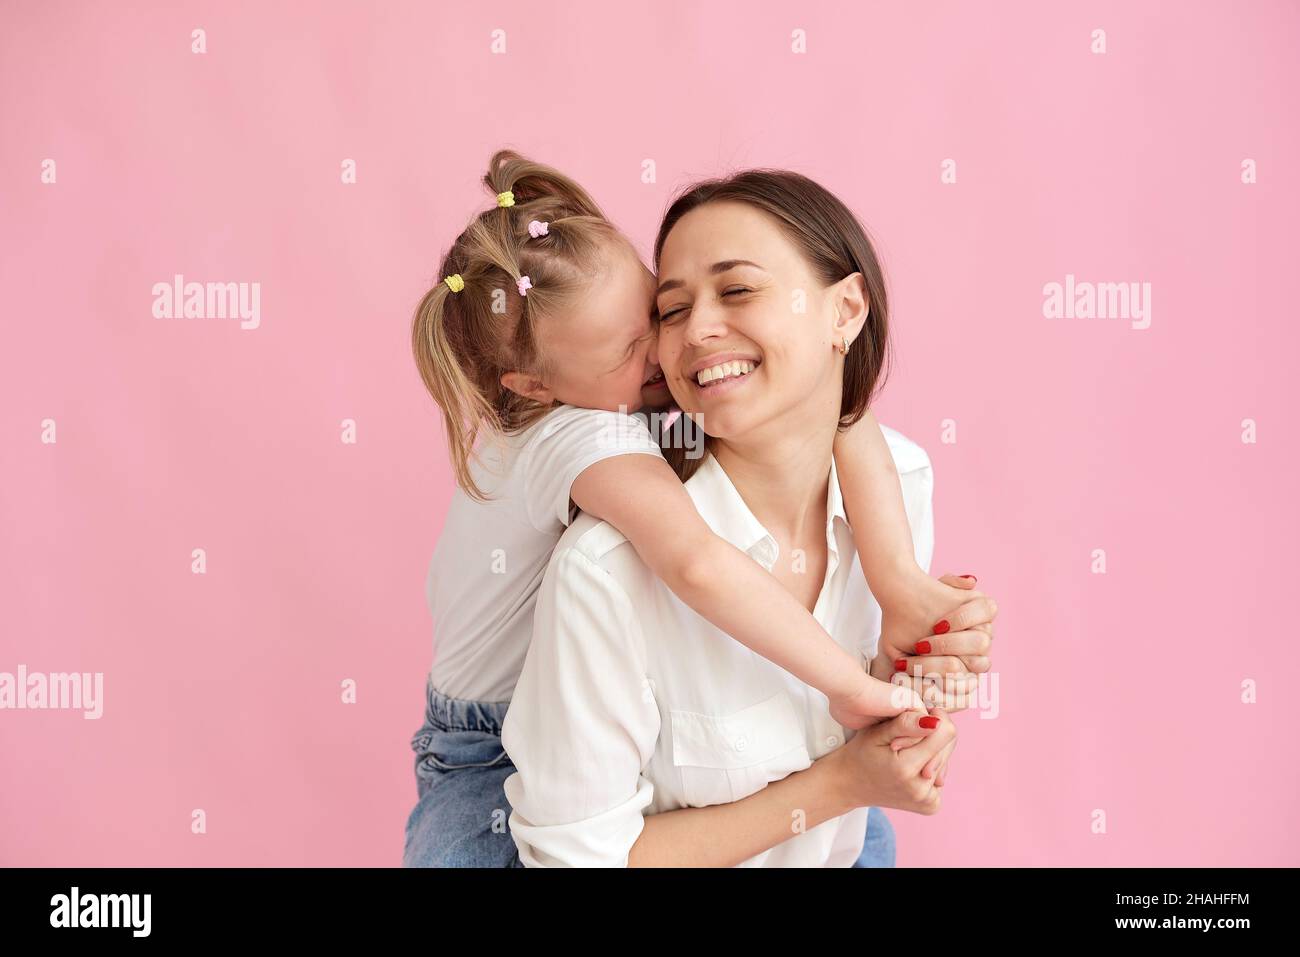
pixel 652 354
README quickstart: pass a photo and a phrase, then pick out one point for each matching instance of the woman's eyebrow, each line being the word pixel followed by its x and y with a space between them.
pixel 715 269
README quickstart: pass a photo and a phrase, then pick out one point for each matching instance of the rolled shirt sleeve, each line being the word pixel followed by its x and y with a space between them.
pixel 582 724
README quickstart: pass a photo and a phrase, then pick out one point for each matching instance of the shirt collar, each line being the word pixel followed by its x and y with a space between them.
pixel 721 506
pixel 835 498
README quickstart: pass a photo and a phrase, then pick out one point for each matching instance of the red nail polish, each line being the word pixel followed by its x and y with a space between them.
pixel 929 722
pixel 900 664
pixel 971 577
pixel 942 627
pixel 922 647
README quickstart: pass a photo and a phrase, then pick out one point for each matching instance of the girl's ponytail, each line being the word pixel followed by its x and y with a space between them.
pixel 466 412
pixel 476 323
pixel 530 181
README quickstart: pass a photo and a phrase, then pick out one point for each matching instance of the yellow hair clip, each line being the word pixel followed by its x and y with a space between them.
pixel 454 282
pixel 506 199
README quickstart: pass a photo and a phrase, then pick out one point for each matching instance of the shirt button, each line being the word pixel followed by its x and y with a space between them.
pixel 741 744
pixel 832 741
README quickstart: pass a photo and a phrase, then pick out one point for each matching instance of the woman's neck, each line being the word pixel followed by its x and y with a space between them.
pixel 783 480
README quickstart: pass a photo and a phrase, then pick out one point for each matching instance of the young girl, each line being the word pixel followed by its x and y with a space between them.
pixel 536 342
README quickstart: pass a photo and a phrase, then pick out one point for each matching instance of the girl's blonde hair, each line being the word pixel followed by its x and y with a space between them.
pixel 464 341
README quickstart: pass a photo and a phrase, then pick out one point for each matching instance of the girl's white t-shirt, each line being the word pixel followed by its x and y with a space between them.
pixel 487 567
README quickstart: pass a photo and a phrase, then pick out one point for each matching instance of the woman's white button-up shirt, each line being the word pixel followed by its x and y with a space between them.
pixel 632 704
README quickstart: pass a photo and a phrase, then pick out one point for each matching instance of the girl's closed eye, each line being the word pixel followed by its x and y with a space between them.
pixel 632 347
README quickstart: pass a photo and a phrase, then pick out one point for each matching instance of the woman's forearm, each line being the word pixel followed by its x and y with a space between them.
pixel 724 835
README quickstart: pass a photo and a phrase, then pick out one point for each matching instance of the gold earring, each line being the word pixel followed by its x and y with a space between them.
pixel 844 345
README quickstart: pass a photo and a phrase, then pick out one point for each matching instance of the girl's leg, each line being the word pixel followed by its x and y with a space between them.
pixel 461 817
pixel 460 820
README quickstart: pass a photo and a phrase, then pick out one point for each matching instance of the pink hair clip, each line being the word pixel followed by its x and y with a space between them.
pixel 538 228
pixel 524 284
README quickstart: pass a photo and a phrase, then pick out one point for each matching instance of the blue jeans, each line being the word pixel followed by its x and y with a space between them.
pixel 461 817
pixel 878 848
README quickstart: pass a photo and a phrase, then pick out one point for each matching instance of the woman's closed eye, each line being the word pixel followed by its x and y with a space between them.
pixel 670 314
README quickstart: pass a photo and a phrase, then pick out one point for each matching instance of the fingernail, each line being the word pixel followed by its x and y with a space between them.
pixel 942 627
pixel 971 577
pixel 922 647
pixel 929 722
pixel 900 664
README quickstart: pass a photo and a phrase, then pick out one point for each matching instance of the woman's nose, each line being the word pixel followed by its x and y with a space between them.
pixel 652 354
pixel 704 323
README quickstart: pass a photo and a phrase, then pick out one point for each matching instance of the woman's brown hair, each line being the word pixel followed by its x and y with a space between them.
pixel 465 340
pixel 835 245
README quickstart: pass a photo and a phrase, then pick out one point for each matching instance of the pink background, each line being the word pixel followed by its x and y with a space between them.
pixel 1119 692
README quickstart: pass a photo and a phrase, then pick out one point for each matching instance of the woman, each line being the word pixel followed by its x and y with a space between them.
pixel 641 734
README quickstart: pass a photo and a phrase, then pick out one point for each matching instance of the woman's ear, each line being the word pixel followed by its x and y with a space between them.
pixel 528 386
pixel 852 306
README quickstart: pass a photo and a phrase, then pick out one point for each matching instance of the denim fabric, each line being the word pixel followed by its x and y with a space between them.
pixel 460 818
pixel 878 848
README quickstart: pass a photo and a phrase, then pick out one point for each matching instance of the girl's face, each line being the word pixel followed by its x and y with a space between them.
pixel 747 332
pixel 602 354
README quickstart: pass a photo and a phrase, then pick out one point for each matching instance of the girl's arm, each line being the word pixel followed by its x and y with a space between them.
pixel 642 497
pixel 912 602
pixel 873 498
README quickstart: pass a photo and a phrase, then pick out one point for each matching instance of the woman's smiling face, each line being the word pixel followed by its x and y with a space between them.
pixel 735 294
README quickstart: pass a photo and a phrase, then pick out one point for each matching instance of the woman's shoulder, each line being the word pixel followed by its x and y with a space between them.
pixel 908 455
pixel 591 543
pixel 596 541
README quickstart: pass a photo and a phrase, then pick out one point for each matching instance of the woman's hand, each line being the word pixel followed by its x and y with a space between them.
pixel 943 666
pixel 911 603
pixel 870 772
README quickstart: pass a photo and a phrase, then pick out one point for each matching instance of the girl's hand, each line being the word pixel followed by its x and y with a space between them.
pixel 874 700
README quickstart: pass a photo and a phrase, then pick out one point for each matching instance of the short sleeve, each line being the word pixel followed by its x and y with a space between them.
pixel 568 442
pixel 582 724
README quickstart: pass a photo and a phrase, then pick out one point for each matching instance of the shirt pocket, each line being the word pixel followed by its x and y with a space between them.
pixel 723 758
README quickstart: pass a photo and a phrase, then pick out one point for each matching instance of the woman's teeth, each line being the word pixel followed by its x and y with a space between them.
pixel 724 370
